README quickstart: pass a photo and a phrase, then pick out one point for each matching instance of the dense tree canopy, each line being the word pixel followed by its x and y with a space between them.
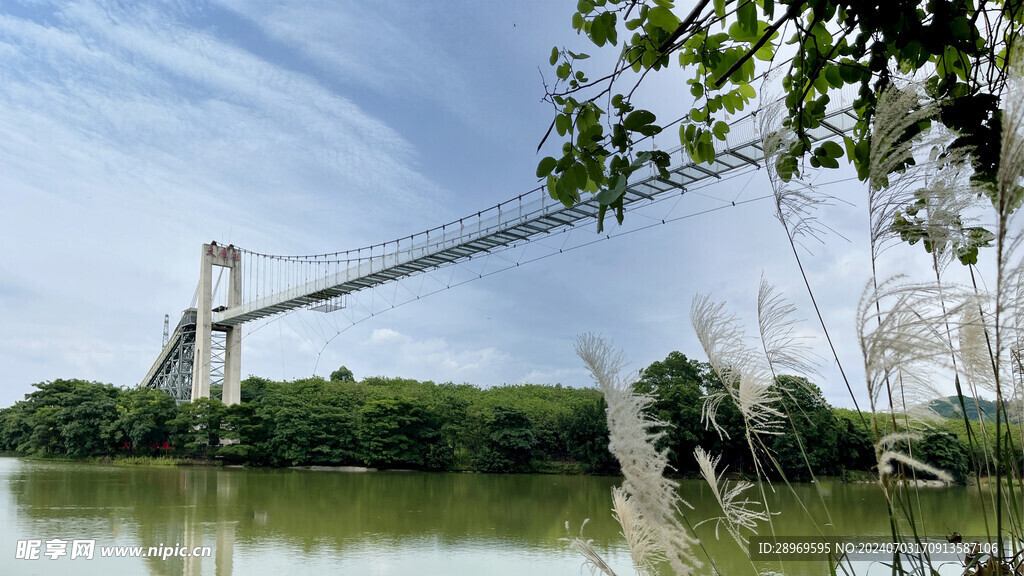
pixel 380 422
pixel 403 423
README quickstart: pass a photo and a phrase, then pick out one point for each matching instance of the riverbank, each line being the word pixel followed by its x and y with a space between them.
pixel 392 423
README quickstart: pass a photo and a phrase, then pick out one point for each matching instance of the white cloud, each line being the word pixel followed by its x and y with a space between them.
pixel 369 44
pixel 554 376
pixel 387 335
pixel 431 358
pixel 132 136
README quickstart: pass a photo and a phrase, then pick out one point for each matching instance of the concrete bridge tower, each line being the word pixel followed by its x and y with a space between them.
pixel 226 257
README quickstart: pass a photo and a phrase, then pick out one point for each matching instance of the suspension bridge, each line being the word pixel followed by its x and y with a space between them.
pixel 205 346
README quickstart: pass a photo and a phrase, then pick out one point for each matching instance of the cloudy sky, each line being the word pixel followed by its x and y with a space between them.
pixel 132 133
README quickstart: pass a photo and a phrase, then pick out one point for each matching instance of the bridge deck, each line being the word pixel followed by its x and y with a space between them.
pixel 518 220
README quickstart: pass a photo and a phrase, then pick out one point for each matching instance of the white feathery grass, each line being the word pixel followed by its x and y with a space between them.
pixel 745 375
pixel 944 204
pixel 756 394
pixel 974 348
pixel 653 499
pixel 901 330
pixel 888 456
pixel 1016 352
pixel 738 513
pixel 1011 156
pixel 942 211
pixel 889 192
pixel 783 349
pixel 990 354
pixel 585 546
pixel 639 535
pixel 796 202
pixel 897 110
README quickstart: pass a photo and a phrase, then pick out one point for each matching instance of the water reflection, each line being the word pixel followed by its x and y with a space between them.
pixel 285 521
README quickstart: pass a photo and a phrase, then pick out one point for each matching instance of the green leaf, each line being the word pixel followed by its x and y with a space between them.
pixel 663 18
pixel 563 124
pixel 786 167
pixel 820 37
pixel 720 8
pixel 546 165
pixel 649 129
pixel 563 70
pixel 616 187
pixel 747 90
pixel 832 149
pixel 729 102
pixel 960 28
pixel 598 34
pixel 765 53
pixel 638 118
pixel 746 15
pixel 833 77
pixel 821 84
pixel 554 56
pixel 610 20
pixel 741 33
pixel 579 173
pixel 698 115
pixel 707 149
pixel 601 211
pixel 720 130
pixel 849 73
pixel 567 181
pixel 584 6
pixel 826 161
pixel 848 143
pixel 552 186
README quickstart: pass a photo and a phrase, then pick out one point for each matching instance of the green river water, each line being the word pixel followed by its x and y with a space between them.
pixel 274 522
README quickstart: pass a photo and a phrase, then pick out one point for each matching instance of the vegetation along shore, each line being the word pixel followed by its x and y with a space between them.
pixel 399 423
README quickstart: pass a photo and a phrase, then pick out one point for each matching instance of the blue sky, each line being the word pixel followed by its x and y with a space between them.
pixel 131 134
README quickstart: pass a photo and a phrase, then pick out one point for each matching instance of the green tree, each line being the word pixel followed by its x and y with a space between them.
pixel 46 415
pixel 72 417
pixel 944 451
pixel 959 46
pixel 248 430
pixel 811 437
pixel 301 431
pixel 15 426
pixel 676 385
pixel 342 374
pixel 586 431
pixel 196 430
pixel 145 417
pixel 398 432
pixel 730 444
pixel 510 441
pixel 89 421
pixel 451 405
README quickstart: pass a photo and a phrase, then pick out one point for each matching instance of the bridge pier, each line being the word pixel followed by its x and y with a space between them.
pixel 230 258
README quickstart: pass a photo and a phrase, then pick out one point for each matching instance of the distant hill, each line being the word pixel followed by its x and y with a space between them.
pixel 949 407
